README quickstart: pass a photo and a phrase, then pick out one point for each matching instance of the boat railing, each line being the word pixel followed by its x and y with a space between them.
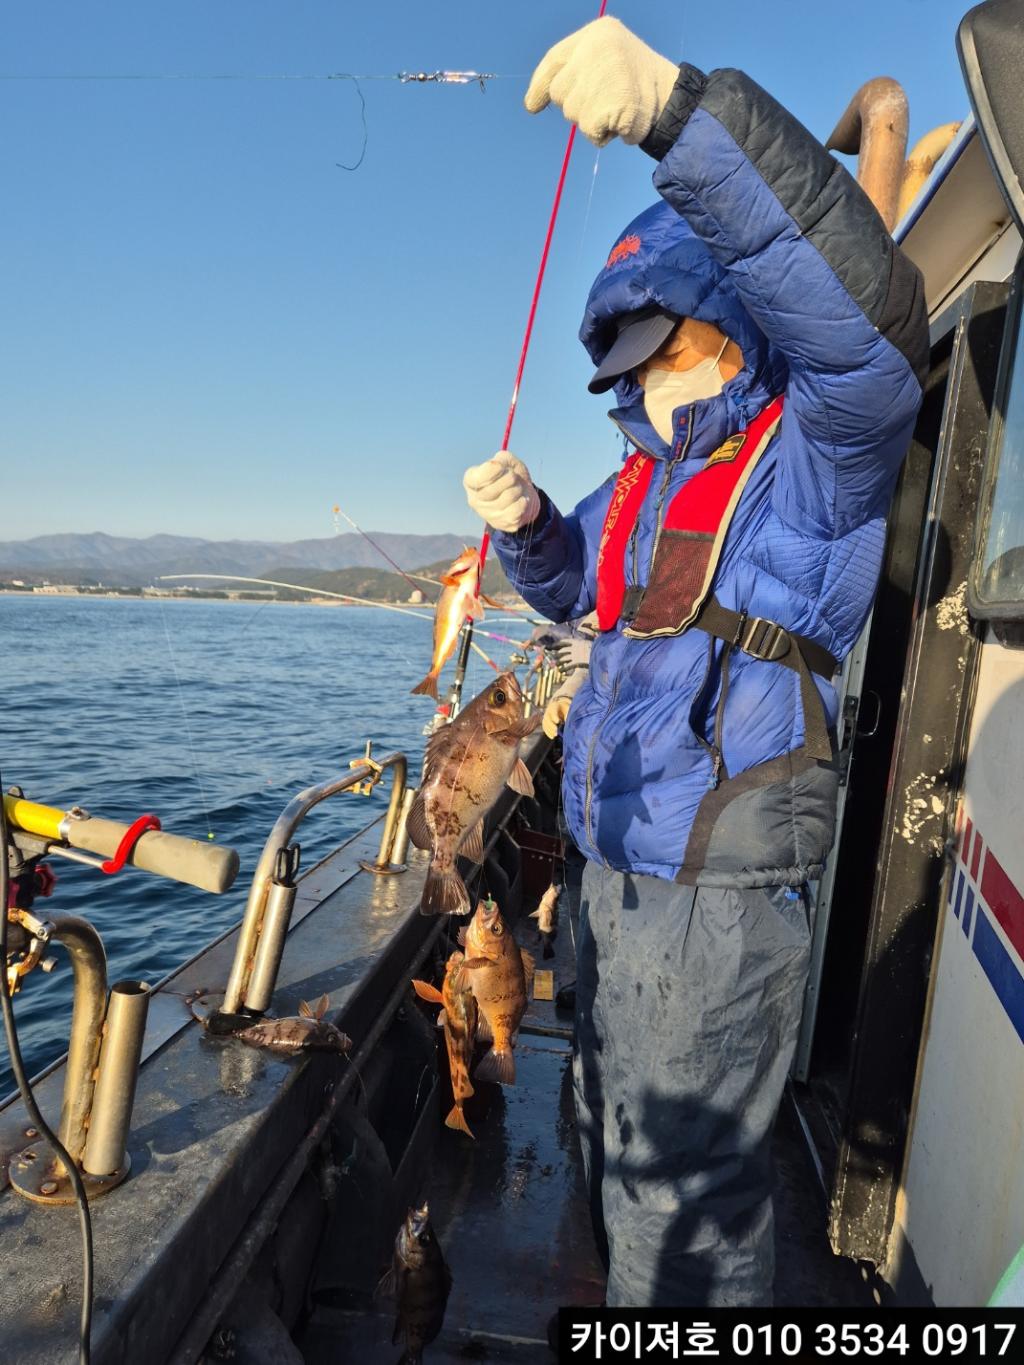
pixel 268 910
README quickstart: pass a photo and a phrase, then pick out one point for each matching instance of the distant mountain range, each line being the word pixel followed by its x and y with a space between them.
pixel 123 561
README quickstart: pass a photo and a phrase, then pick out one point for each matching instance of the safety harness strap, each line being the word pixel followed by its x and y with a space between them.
pixel 767 640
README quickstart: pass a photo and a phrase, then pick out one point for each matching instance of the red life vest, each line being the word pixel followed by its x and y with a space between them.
pixel 689 546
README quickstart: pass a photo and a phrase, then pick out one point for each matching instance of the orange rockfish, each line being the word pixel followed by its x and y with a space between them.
pixel 460 598
pixel 458 1019
pixel 467 764
pixel 500 975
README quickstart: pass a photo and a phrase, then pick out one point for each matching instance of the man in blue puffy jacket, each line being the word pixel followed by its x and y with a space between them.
pixel 766 341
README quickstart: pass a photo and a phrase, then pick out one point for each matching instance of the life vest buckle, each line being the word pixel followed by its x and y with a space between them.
pixel 763 639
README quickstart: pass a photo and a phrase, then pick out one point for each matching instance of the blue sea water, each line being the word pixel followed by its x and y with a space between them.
pixel 210 714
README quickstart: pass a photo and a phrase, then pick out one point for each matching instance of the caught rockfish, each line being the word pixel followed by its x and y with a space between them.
pixel 467 765
pixel 304 1032
pixel 500 975
pixel 420 1281
pixel 546 915
pixel 459 1021
pixel 459 599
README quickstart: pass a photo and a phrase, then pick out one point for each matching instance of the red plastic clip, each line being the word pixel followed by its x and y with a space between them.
pixel 132 835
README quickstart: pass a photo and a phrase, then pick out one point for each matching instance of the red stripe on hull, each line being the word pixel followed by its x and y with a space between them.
pixel 1004 900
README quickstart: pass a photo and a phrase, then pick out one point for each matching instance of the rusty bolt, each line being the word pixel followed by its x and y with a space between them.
pixel 31 1132
pixel 48 1187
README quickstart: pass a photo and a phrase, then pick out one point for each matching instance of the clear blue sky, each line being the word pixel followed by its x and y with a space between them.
pixel 209 329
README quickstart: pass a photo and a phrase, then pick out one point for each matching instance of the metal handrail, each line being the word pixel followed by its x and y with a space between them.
pixel 279 840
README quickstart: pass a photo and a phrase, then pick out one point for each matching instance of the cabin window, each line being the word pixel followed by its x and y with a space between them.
pixel 997 582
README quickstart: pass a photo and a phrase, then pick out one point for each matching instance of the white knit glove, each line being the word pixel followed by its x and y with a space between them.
pixel 502 492
pixel 606 80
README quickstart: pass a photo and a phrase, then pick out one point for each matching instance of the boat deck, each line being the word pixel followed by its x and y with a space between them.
pixel 510 1211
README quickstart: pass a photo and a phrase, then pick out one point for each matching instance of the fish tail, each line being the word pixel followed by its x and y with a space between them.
pixel 498 1066
pixel 444 893
pixel 457 1119
pixel 426 688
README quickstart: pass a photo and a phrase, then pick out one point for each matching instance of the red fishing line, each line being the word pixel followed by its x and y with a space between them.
pixel 485 542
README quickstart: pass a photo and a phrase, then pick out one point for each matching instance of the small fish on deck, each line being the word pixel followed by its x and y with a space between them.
pixel 307 1031
pixel 420 1282
pixel 460 598
pixel 458 1018
pixel 546 916
pixel 467 765
pixel 500 974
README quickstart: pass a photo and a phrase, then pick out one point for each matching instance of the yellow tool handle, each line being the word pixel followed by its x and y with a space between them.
pixel 208 866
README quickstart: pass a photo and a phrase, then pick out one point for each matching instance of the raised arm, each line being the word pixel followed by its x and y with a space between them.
pixel 807 253
pixel 804 247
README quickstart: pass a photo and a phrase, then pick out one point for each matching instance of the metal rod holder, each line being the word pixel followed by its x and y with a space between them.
pixel 106 1146
pixel 236 997
pixel 276 919
pixel 36 1173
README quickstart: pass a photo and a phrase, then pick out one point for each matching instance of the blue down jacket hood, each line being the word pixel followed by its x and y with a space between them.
pixel 761 233
pixel 659 260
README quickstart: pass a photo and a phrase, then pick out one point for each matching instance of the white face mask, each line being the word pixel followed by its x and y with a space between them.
pixel 666 390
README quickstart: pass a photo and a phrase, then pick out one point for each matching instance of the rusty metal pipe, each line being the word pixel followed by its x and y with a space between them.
pixel 89 968
pixel 874 127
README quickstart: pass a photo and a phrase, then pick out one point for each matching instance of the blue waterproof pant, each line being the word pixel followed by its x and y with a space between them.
pixel 688 1002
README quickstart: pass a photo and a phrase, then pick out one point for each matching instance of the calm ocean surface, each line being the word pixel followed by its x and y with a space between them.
pixel 212 715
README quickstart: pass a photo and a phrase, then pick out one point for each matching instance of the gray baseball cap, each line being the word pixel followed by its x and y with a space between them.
pixel 640 335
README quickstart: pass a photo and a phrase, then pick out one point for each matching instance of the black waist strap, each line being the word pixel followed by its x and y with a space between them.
pixel 766 640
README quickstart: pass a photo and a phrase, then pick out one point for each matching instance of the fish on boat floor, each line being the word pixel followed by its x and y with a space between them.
pixel 511 1214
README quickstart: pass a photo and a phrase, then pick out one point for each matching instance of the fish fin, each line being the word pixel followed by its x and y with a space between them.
pixel 461 936
pixel 444 893
pixel 490 601
pixel 449 580
pixel 535 914
pixel 426 688
pixel 442 1019
pixel 476 610
pixel 484 1032
pixel 473 962
pixel 473 844
pixel 322 1006
pixel 497 1066
pixel 426 991
pixel 416 822
pixel 457 1119
pixel 520 779
pixel 386 1285
pixel 306 1009
pixel 529 968
pixel 521 728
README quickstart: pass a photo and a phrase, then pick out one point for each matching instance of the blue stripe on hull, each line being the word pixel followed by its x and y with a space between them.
pixel 1001 970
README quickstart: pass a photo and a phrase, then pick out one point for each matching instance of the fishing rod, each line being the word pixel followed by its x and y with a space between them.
pixel 527 335
pixel 409 578
pixel 341 596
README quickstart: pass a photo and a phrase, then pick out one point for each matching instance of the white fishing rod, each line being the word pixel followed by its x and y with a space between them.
pixel 341 596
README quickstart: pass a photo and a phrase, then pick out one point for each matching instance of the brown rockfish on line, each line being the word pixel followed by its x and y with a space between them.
pixel 546 915
pixel 500 976
pixel 459 1021
pixel 420 1281
pixel 460 598
pixel 467 765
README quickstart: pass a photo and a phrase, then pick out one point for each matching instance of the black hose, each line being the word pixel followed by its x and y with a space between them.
pixel 29 1101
